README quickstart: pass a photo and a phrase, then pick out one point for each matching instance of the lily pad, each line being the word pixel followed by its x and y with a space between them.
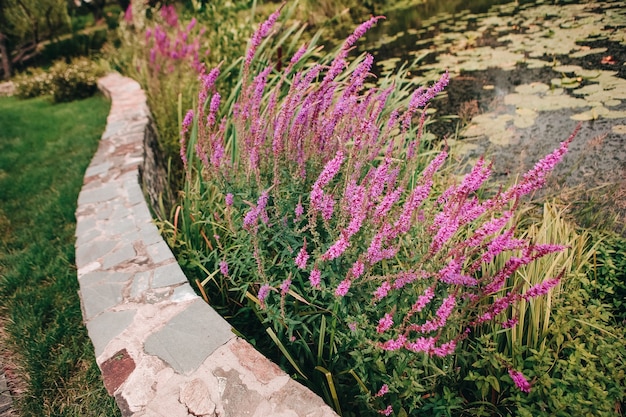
pixel 588 89
pixel 594 114
pixel 584 53
pixel 612 103
pixel 619 129
pixel 567 82
pixel 568 69
pixel 501 138
pixel 532 88
pixel 588 74
pixel 615 114
pixel 524 118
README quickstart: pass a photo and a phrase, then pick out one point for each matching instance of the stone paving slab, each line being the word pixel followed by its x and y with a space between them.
pixel 6 401
pixel 162 350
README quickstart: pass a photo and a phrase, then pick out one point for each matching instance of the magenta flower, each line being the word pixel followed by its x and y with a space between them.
pixel 186 122
pixel 229 199
pixel 336 249
pixel 299 211
pixel 387 203
pixel 451 274
pixel 298 55
pixel 208 82
pixel 441 317
pixel 406 277
pixel 330 170
pixel 191 24
pixel 384 323
pixel 284 286
pixel 224 268
pixel 258 211
pixel 360 31
pixel 128 14
pixel 415 199
pixel 343 287
pixel 213 107
pixel 497 307
pixel 168 13
pixel 510 323
pixel 387 411
pixel 448 228
pixel 444 311
pixel 183 136
pixel 302 257
pixel 421 344
pixel 263 293
pixel 382 391
pixel 423 300
pixel 536 177
pixel 339 62
pixel 262 32
pixel 421 98
pixel 444 350
pixel 492 226
pixel 541 288
pixel 394 344
pixel 520 380
pixel 382 291
pixel 315 278
pixel 357 269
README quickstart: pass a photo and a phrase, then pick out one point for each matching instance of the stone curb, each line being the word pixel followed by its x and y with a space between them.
pixel 161 349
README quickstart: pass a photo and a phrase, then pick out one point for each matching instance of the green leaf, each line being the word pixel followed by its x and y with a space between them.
pixel 331 386
pixel 283 349
pixel 493 381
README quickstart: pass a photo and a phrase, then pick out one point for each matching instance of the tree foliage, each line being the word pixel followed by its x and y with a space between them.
pixel 24 24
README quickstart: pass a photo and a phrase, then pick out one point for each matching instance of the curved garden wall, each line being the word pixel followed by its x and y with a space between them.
pixel 161 349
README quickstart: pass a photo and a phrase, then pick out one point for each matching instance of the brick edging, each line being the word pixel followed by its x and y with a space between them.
pixel 161 349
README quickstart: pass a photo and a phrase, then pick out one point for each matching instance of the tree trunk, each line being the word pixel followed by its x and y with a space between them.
pixel 6 59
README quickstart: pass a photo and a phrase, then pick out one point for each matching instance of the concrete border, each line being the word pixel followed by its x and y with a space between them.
pixel 161 349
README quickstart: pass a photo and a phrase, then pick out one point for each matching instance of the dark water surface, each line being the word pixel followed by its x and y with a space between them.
pixel 523 75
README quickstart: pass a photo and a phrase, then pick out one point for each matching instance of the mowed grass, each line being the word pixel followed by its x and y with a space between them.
pixel 44 151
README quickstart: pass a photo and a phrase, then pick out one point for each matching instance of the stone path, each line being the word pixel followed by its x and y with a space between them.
pixel 162 350
pixel 6 402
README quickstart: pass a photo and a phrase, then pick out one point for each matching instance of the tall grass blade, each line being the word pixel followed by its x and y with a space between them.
pixel 284 351
pixel 320 340
pixel 331 386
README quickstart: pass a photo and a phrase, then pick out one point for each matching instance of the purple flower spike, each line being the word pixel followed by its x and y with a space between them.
pixel 520 380
pixel 261 33
pixel 302 257
pixel 315 278
pixel 263 293
pixel 224 268
pixel 343 288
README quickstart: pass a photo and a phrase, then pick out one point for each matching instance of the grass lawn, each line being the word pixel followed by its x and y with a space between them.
pixel 44 151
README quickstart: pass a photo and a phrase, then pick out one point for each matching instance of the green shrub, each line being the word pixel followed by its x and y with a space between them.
pixel 80 44
pixel 567 344
pixel 33 83
pixel 162 49
pixel 81 21
pixel 112 15
pixel 580 370
pixel 607 274
pixel 74 81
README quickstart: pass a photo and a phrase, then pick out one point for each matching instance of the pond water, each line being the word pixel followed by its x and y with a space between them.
pixel 523 75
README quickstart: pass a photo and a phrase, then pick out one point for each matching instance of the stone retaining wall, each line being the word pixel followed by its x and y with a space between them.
pixel 161 349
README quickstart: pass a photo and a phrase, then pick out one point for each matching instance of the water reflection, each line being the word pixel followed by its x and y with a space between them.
pixel 523 75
